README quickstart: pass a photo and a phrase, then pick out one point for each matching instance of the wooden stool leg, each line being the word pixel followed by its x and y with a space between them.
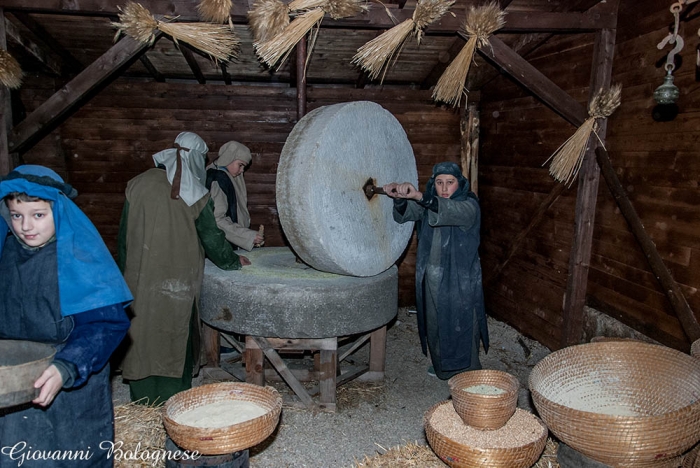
pixel 328 376
pixel 254 372
pixel 377 356
pixel 210 342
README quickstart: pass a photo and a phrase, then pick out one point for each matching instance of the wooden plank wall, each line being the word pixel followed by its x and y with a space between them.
pixel 658 164
pixel 111 139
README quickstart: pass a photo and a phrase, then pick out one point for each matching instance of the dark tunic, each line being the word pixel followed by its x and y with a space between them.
pixel 80 419
pixel 449 295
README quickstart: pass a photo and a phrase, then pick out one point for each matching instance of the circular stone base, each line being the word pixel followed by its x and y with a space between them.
pixel 278 297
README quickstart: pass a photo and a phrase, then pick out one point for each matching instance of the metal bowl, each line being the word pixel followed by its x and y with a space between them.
pixel 21 363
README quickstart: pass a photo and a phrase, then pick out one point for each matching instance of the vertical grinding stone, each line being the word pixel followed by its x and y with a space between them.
pixel 326 160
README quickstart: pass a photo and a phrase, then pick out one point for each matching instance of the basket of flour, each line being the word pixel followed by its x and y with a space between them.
pixel 484 399
pixel 223 417
pixel 624 404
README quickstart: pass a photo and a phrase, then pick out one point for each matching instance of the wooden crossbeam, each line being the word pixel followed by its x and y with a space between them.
pixel 70 64
pixel 670 287
pixel 444 60
pixel 376 18
pixel 192 62
pixel 532 79
pixel 67 100
pixel 152 70
pixel 44 57
pixel 225 74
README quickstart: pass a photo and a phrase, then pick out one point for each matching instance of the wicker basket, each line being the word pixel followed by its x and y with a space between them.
pixel 691 459
pixel 458 455
pixel 222 440
pixel 625 404
pixel 483 411
pixel 695 349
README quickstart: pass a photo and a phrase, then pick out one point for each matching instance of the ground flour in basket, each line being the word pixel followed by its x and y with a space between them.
pixel 484 389
pixel 220 414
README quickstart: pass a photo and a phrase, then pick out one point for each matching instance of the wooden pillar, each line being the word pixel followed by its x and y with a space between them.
pixel 254 372
pixel 469 129
pixel 5 110
pixel 589 178
pixel 210 343
pixel 301 78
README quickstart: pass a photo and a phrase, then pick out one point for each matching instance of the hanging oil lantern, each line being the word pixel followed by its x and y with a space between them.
pixel 667 93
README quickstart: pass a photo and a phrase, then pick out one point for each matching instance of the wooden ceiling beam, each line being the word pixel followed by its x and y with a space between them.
pixel 444 60
pixel 44 57
pixel 376 18
pixel 192 62
pixel 70 64
pixel 532 79
pixel 76 92
pixel 225 74
pixel 158 76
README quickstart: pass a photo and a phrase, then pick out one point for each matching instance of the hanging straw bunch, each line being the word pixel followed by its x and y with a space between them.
pixel 216 40
pixel 567 159
pixel 310 14
pixel 216 11
pixel 10 71
pixel 375 56
pixel 267 19
pixel 481 22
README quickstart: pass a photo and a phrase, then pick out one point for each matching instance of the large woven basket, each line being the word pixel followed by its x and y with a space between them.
pixel 458 455
pixel 691 459
pixel 625 404
pixel 695 349
pixel 486 412
pixel 222 440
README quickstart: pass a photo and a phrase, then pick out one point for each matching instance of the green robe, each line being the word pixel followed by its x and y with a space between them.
pixel 162 244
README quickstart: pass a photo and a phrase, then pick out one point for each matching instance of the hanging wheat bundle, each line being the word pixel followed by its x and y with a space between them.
pixel 216 11
pixel 267 19
pixel 10 70
pixel 216 40
pixel 136 22
pixel 376 55
pixel 567 159
pixel 481 22
pixel 279 47
pixel 339 9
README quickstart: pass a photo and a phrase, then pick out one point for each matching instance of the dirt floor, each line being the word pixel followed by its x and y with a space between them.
pixel 372 418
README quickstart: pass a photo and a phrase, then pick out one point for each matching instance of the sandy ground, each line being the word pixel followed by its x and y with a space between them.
pixel 370 417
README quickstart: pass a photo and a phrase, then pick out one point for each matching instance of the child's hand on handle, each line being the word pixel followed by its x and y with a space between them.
pixel 50 383
pixel 404 190
pixel 244 260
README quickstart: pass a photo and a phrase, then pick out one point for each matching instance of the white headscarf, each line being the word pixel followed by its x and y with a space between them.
pixel 192 150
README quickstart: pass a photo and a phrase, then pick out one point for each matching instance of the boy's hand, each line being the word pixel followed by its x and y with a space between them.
pixel 404 190
pixel 244 260
pixel 50 383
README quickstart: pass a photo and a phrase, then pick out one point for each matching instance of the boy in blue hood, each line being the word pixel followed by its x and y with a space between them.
pixel 61 286
pixel 449 294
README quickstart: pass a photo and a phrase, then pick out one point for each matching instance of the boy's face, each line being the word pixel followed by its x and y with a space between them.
pixel 32 221
pixel 236 168
pixel 446 185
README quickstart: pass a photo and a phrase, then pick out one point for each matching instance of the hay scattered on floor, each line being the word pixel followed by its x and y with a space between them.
pixel 140 429
pixel 353 393
pixel 411 454
pixel 416 455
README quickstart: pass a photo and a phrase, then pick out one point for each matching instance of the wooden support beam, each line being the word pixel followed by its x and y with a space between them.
pixel 158 76
pixel 224 74
pixel 5 111
pixel 192 62
pixel 532 79
pixel 301 78
pixel 47 59
pixel 504 3
pixel 376 18
pixel 670 287
pixel 469 129
pixel 588 180
pixel 68 99
pixel 70 64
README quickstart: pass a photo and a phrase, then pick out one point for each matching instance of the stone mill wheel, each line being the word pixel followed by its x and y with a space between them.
pixel 327 159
